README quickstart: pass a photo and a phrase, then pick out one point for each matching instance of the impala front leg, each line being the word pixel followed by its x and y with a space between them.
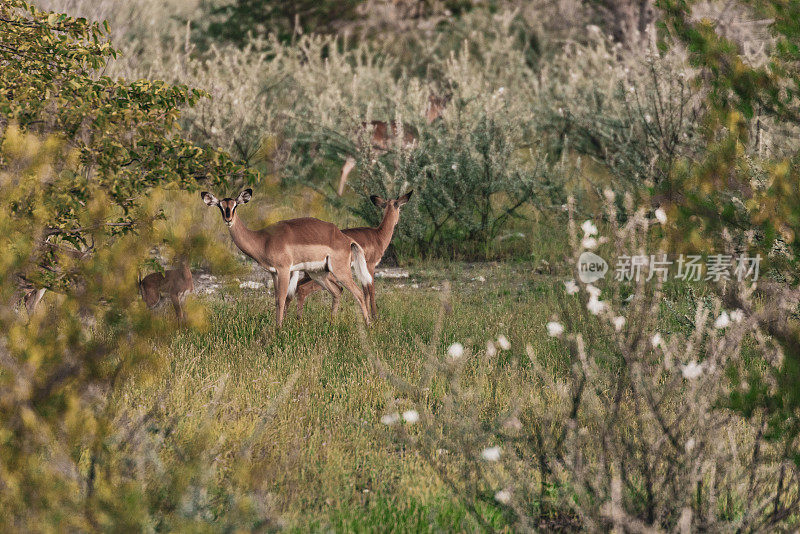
pixel 281 290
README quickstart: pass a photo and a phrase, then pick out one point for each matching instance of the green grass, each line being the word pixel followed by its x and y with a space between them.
pixel 326 460
pixel 331 463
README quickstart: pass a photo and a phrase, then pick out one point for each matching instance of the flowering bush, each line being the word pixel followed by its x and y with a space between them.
pixel 641 429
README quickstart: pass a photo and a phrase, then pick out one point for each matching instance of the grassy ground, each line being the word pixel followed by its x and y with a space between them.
pixel 330 462
pixel 327 460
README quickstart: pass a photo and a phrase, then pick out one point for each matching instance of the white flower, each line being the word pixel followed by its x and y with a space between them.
pixel 593 291
pixel 656 340
pixel 661 215
pixel 619 322
pixel 491 350
pixel 390 418
pixel 503 343
pixel 491 454
pixel 571 286
pixel 456 350
pixel 737 316
pixel 454 166
pixel 690 445
pixel 554 329
pixel 723 321
pixel 501 90
pixel 589 228
pixel 595 306
pixel 503 496
pixel 692 370
pixel 647 118
pixel 411 416
pixel 589 242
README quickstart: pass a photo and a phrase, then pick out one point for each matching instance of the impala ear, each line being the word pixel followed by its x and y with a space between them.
pixel 245 196
pixel 404 199
pixel 209 199
pixel 378 201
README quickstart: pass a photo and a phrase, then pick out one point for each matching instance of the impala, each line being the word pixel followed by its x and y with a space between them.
pixel 287 248
pixel 382 134
pixel 174 284
pixel 374 241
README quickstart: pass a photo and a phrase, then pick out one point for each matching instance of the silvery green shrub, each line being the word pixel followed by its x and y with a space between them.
pixel 634 425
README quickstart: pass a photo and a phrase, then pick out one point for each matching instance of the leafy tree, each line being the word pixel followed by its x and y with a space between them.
pixel 73 455
pixel 124 132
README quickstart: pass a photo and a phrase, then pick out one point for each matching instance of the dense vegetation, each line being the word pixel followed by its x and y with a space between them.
pixel 668 127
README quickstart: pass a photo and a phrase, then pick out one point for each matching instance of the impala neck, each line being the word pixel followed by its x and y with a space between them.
pixel 243 237
pixel 387 225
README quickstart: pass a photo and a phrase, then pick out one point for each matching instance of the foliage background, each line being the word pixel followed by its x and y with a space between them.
pixel 559 112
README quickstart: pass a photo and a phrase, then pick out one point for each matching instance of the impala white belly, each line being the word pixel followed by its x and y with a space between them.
pixel 310 266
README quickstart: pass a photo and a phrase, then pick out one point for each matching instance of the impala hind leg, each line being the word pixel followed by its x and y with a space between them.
pixel 305 287
pixel 369 295
pixel 325 281
pixel 341 271
pixel 373 305
pixel 308 285
pixel 336 294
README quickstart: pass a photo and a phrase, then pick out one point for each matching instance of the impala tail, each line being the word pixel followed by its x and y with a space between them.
pixel 360 264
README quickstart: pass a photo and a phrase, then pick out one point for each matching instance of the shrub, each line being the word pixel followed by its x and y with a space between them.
pixel 471 182
pixel 636 432
pixel 124 132
pixel 474 170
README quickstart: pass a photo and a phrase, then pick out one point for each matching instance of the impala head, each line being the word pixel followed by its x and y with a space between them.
pixel 435 107
pixel 391 208
pixel 227 205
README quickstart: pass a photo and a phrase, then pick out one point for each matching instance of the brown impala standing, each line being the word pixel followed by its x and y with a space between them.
pixel 175 284
pixel 288 247
pixel 374 241
pixel 382 134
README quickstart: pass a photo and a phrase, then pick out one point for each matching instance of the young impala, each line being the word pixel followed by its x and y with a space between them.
pixel 286 248
pixel 382 134
pixel 174 284
pixel 374 241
